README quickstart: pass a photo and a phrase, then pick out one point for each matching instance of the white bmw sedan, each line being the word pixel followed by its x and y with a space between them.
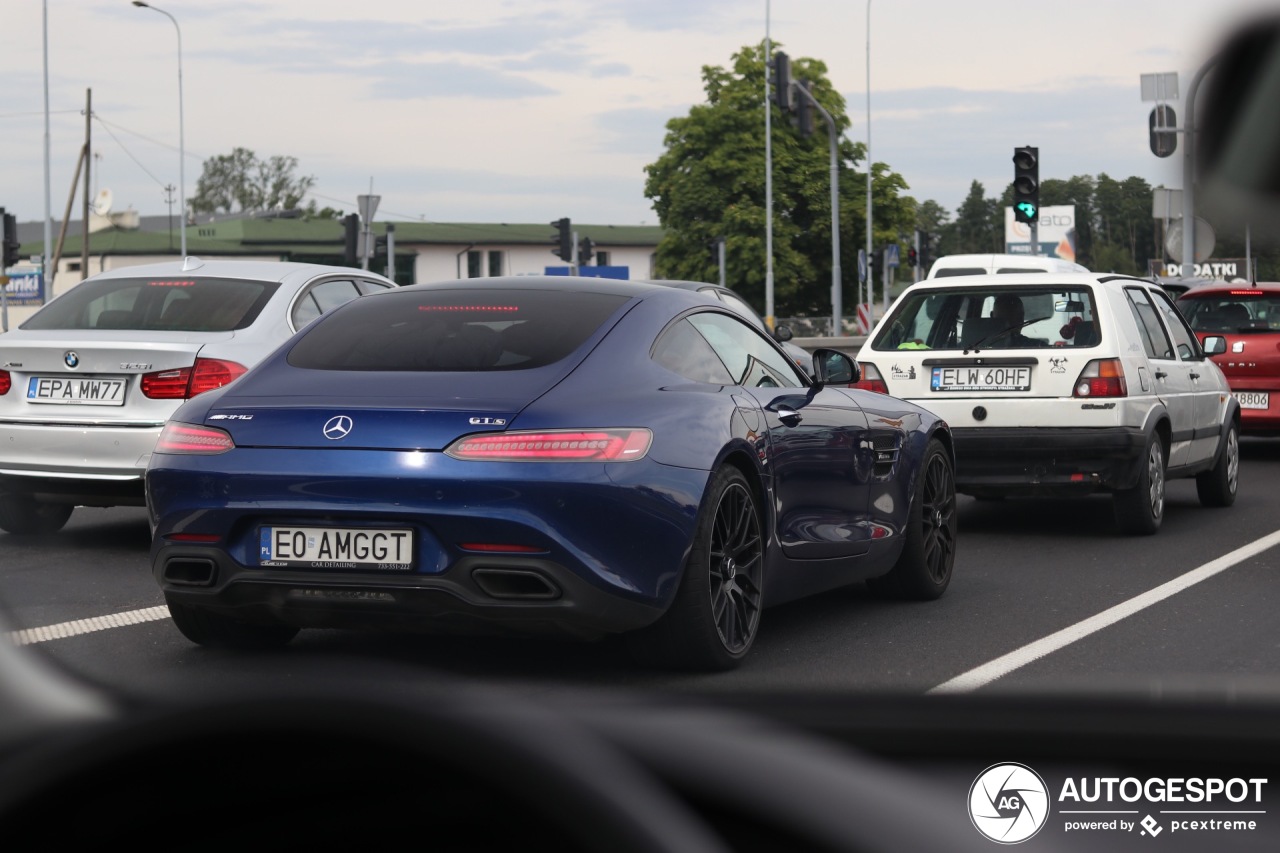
pixel 88 381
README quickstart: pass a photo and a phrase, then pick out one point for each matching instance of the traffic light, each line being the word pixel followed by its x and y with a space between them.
pixel 804 110
pixel 562 239
pixel 586 250
pixel 11 244
pixel 912 257
pixel 1026 184
pixel 782 81
pixel 351 239
pixel 925 249
pixel 1162 117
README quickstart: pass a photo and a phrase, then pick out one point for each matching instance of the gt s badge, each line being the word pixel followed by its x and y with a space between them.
pixel 488 421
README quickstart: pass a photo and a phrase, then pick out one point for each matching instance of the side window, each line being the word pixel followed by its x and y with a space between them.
pixel 367 286
pixel 320 298
pixel 740 307
pixel 1154 338
pixel 1188 347
pixel 751 359
pixel 682 350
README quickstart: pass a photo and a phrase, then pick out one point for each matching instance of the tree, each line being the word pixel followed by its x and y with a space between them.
pixel 975 230
pixel 710 182
pixel 239 181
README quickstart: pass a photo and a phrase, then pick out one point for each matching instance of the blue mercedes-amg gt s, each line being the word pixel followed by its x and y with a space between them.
pixel 542 454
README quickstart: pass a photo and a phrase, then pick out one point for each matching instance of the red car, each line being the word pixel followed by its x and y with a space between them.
pixel 1247 319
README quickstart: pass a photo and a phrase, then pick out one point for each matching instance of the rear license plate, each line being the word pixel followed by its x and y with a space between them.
pixel 981 378
pixel 1253 399
pixel 83 391
pixel 336 548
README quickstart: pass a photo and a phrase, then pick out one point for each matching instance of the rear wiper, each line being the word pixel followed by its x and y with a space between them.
pixel 978 343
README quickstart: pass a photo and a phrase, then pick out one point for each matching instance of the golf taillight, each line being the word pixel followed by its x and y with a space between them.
pixel 192 439
pixel 6 382
pixel 871 380
pixel 588 445
pixel 1102 377
pixel 185 382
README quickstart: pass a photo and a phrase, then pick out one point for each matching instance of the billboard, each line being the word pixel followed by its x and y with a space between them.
pixel 25 287
pixel 1056 237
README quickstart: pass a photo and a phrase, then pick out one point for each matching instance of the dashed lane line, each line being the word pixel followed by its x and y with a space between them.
pixel 983 675
pixel 29 636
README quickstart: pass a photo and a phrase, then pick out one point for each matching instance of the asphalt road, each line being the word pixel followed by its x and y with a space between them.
pixel 1027 571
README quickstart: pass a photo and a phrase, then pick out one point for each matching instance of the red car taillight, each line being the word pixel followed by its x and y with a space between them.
pixel 871 379
pixel 593 445
pixel 6 382
pixel 193 440
pixel 1101 378
pixel 186 382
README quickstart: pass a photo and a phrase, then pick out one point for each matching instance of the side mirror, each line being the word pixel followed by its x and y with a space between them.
pixel 1215 344
pixel 782 333
pixel 832 367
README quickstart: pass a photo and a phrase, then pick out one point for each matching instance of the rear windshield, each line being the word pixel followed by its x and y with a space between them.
pixel 154 304
pixel 1236 312
pixel 1024 317
pixel 454 330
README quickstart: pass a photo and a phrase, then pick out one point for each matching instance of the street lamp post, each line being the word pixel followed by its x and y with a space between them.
pixel 182 145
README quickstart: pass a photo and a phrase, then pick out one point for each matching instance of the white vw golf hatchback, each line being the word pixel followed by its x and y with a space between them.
pixel 1062 384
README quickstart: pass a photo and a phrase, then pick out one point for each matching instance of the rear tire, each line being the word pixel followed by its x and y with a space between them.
pixel 923 570
pixel 209 629
pixel 23 514
pixel 713 620
pixel 1140 510
pixel 1217 486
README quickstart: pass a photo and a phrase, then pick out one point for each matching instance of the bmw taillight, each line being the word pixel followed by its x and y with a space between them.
pixel 6 382
pixel 186 382
pixel 192 439
pixel 1103 377
pixel 588 445
pixel 871 380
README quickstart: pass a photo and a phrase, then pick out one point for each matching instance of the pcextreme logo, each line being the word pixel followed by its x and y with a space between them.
pixel 1008 803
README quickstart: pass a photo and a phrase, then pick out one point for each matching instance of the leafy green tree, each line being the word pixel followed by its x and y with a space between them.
pixel 975 226
pixel 239 181
pixel 710 182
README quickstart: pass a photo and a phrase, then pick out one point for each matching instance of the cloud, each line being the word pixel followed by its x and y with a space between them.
pixel 680 15
pixel 636 131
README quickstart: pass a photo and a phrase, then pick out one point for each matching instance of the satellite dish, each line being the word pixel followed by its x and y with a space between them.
pixel 1206 241
pixel 102 204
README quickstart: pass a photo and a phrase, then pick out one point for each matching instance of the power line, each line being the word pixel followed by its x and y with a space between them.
pixel 127 151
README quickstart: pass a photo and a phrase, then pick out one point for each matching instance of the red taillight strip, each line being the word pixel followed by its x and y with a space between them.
pixel 871 380
pixel 194 537
pixel 6 382
pixel 193 440
pixel 499 548
pixel 603 445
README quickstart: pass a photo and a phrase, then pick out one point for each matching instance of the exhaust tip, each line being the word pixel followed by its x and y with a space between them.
pixel 514 584
pixel 190 571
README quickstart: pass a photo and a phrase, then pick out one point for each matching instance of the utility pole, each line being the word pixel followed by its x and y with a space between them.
pixel 833 134
pixel 391 251
pixel 168 199
pixel 84 243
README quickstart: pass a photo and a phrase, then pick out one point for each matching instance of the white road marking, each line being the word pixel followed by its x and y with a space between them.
pixel 1005 664
pixel 61 630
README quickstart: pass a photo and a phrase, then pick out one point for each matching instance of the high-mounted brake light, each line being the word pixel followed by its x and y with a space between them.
pixel 871 379
pixel 192 439
pixel 594 445
pixel 6 382
pixel 186 382
pixel 1102 377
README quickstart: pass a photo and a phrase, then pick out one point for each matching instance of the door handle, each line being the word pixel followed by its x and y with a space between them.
pixel 1195 375
pixel 1160 374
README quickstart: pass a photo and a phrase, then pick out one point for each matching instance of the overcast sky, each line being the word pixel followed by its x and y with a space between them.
pixel 529 110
